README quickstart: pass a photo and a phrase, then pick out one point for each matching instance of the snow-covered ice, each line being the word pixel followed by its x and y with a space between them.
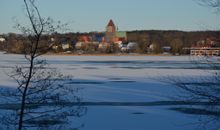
pixel 121 79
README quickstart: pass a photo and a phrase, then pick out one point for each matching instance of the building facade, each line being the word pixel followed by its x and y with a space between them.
pixel 207 47
pixel 208 51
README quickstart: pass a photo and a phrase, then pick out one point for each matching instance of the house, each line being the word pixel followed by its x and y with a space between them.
pixel 98 38
pixel 2 39
pixel 55 47
pixel 85 38
pixel 132 46
pixel 65 46
pixel 103 46
pixel 79 45
pixel 166 49
pixel 151 48
pixel 2 44
pixel 52 39
pixel 123 47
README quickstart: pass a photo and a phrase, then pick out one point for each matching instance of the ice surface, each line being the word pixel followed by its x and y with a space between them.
pixel 121 79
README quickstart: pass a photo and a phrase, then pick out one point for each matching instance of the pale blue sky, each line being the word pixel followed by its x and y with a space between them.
pixel 93 15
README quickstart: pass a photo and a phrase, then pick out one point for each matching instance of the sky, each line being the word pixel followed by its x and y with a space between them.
pixel 128 15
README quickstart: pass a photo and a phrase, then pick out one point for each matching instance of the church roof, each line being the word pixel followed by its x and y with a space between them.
pixel 121 34
pixel 111 23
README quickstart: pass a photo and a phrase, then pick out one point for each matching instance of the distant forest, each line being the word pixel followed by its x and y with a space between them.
pixel 169 38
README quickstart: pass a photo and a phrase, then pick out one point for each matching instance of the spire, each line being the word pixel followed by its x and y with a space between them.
pixel 111 23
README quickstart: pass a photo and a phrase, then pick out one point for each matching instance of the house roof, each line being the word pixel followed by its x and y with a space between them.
pixel 111 23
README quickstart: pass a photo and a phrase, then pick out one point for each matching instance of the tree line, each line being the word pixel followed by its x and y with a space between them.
pixel 145 39
pixel 175 39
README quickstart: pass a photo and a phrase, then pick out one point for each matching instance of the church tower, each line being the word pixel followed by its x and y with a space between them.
pixel 110 32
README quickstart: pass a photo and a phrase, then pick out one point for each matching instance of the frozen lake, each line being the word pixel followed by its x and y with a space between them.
pixel 124 79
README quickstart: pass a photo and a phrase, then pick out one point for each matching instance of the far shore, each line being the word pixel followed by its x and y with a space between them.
pixel 116 54
pixel 100 54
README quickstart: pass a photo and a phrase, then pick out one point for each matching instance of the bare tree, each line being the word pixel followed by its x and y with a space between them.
pixel 43 96
pixel 202 93
pixel 215 4
pixel 176 46
pixel 204 90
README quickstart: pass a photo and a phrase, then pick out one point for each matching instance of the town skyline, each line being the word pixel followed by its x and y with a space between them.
pixel 93 15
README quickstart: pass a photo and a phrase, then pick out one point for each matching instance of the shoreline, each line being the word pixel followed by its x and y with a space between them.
pixel 133 54
pixel 100 54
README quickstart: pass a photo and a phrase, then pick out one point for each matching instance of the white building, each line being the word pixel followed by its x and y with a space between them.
pixel 65 46
pixel 132 46
pixel 2 39
pixel 103 46
pixel 79 45
pixel 205 51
